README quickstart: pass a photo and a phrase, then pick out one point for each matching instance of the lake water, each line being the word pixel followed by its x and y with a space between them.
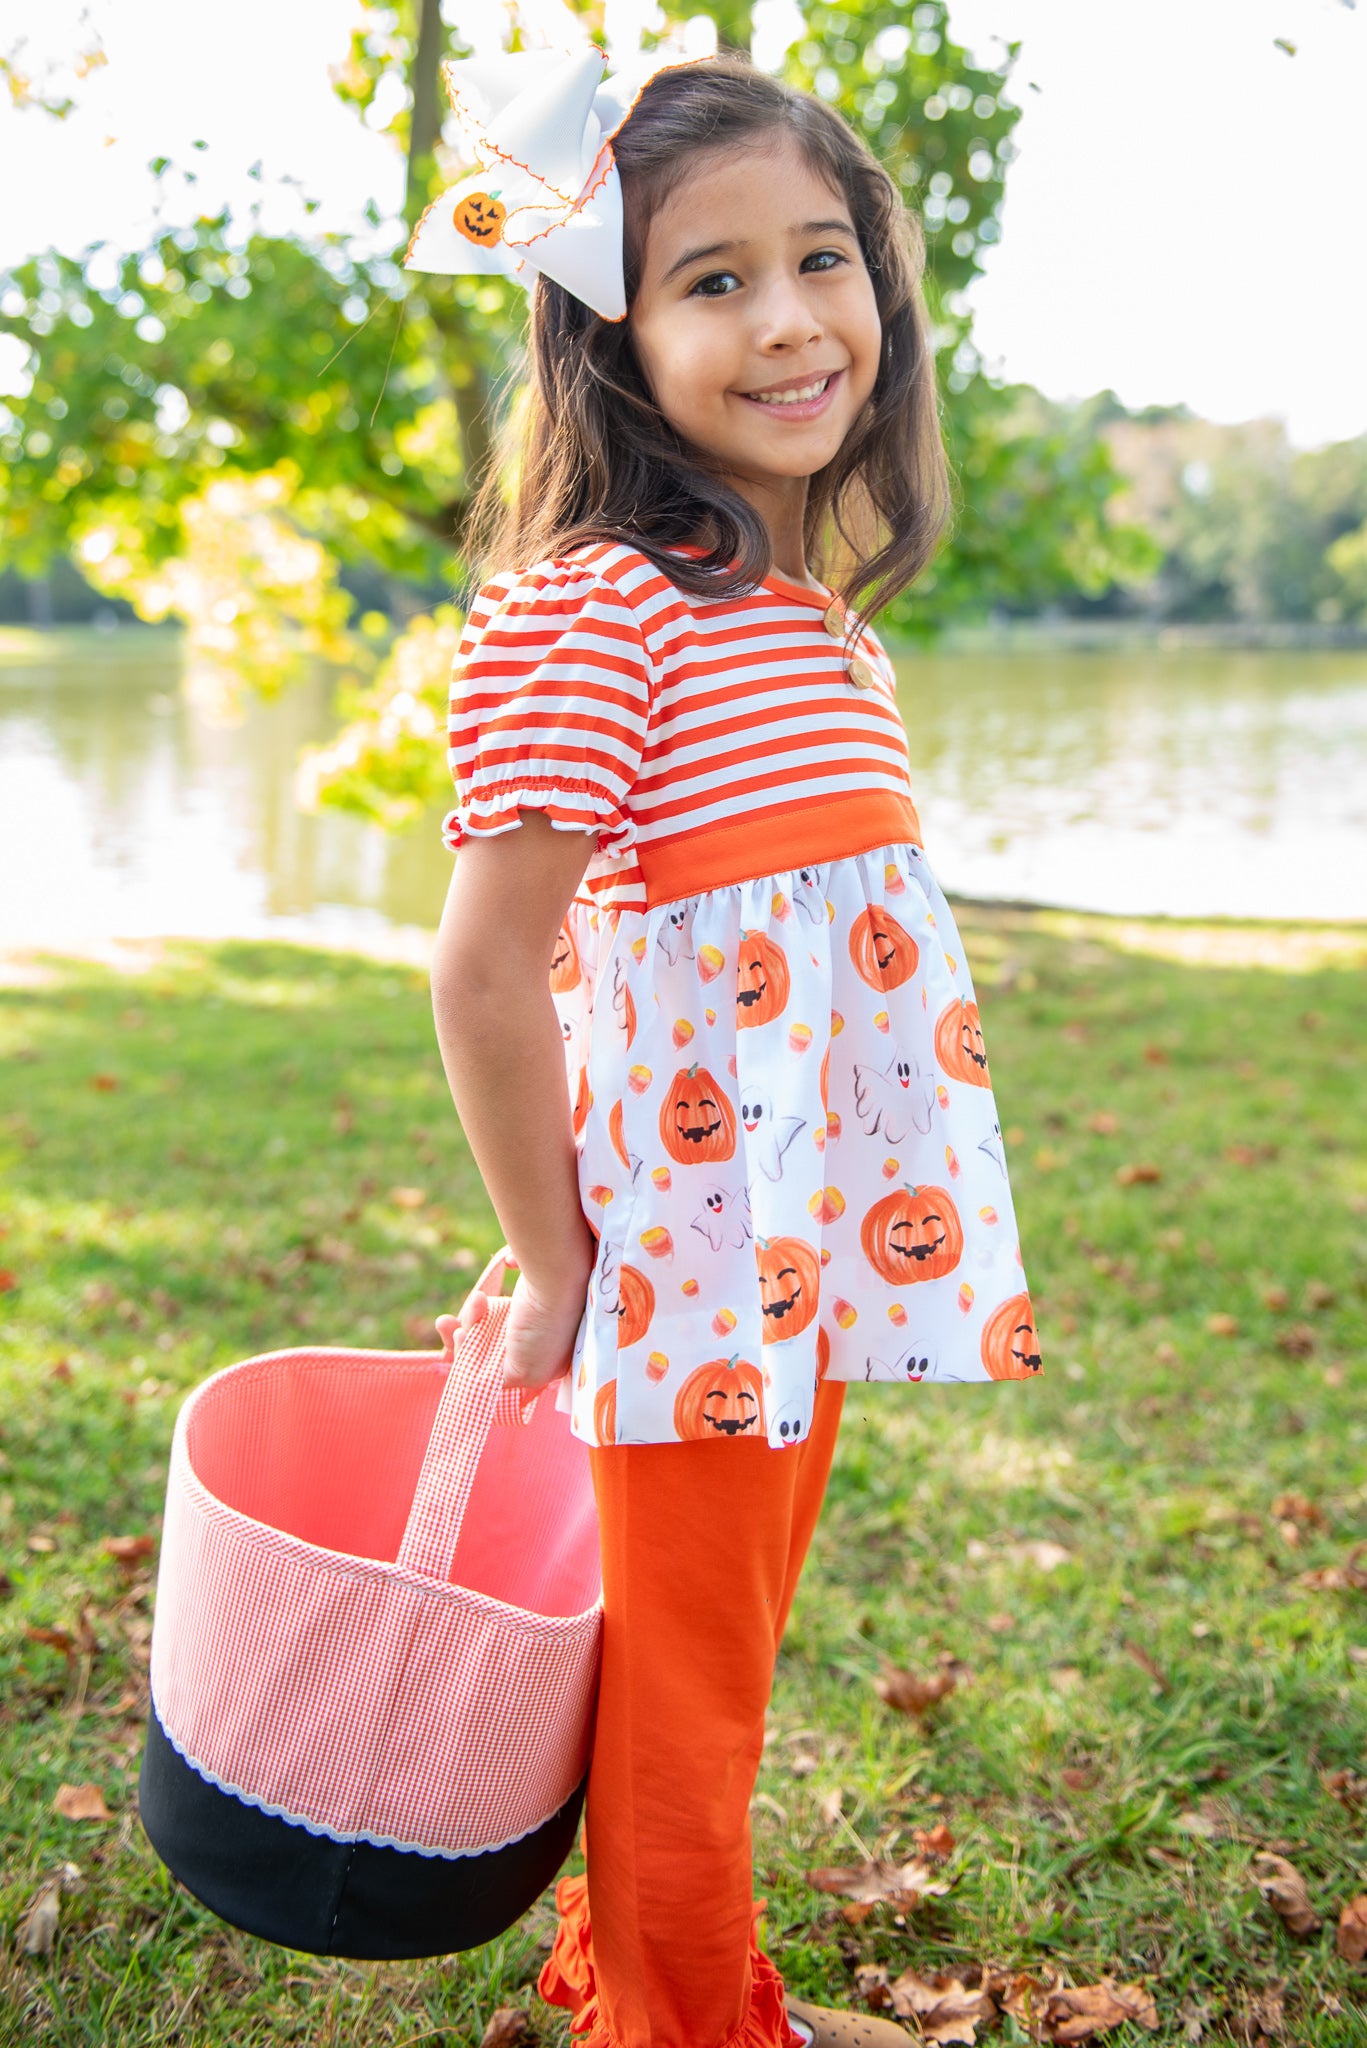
pixel 1188 783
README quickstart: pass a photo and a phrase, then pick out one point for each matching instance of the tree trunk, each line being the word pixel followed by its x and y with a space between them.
pixel 425 85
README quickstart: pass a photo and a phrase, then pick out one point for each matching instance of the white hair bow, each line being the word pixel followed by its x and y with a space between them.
pixel 546 196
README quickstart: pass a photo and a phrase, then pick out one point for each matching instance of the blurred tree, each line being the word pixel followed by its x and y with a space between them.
pixel 48 77
pixel 221 393
pixel 1246 526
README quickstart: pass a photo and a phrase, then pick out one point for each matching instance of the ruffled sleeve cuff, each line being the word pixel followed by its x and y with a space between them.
pixel 490 808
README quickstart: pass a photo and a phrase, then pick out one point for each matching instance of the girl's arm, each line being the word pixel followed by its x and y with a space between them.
pixel 503 1051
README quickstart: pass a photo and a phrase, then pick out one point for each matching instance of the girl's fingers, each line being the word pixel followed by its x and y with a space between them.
pixel 473 1310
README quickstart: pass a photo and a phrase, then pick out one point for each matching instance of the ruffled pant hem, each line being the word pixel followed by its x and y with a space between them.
pixel 568 1979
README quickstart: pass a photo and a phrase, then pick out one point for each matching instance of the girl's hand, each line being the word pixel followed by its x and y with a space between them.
pixel 539 1333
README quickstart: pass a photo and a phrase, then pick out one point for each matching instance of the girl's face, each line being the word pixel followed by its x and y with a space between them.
pixel 755 322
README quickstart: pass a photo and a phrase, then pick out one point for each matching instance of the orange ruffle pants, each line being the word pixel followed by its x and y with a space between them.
pixel 702 1547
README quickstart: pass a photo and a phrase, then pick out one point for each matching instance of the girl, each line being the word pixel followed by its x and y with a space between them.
pixel 684 791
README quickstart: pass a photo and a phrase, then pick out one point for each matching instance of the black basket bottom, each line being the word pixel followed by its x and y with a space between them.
pixel 273 1878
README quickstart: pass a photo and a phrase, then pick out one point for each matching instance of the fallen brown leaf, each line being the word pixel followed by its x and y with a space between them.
pixel 1075 2012
pixel 1350 1936
pixel 1104 1122
pixel 38 1928
pixel 1298 1340
pixel 1282 1885
pixel 1222 1324
pixel 1319 1294
pixel 871 1984
pixel 831 1805
pixel 1346 1786
pixel 1156 1055
pixel 40 1545
pixel 408 1198
pixel 56 1639
pixel 104 1084
pixel 1262 2020
pixel 128 1550
pixel 935 1844
pixel 1348 1577
pixel 880 1884
pixel 1276 1298
pixel 81 1802
pixel 1298 1507
pixel 1137 1170
pixel 945 2008
pixel 908 1694
pixel 506 2028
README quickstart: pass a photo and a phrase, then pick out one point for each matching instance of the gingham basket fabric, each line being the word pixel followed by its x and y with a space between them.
pixel 365 1699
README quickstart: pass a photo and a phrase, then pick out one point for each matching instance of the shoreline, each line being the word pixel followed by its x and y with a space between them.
pixel 1297 947
pixel 27 646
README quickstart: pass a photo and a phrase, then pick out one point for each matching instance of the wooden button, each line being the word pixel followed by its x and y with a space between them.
pixel 833 619
pixel 861 675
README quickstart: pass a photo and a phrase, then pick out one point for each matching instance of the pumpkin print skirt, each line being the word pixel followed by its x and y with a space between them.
pixel 790 1151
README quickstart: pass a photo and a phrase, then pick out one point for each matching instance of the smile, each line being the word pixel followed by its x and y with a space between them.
pixel 796 401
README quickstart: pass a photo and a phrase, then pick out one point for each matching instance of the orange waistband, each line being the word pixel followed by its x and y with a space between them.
pixel 792 836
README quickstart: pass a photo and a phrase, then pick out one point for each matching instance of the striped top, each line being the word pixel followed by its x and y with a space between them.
pixel 593 689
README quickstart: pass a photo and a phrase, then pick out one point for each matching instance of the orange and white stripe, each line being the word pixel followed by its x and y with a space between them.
pixel 705 741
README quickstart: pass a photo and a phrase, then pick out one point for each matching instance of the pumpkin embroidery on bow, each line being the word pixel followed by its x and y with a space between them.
pixel 545 195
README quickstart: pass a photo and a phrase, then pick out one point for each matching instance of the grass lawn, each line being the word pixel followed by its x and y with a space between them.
pixel 1137 1569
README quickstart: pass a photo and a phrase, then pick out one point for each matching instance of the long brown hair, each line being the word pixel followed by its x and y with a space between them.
pixel 588 455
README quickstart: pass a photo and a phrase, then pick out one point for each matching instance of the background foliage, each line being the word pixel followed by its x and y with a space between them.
pixel 276 439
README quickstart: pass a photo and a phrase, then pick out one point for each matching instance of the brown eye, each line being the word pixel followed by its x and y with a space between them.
pixel 714 277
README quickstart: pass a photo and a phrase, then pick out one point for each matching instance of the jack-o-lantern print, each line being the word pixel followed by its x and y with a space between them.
pixel 763 983
pixel 722 1398
pixel 635 1306
pixel 789 1285
pixel 823 1354
pixel 566 972
pixel 697 1119
pixel 605 1413
pixel 959 1044
pixel 616 1134
pixel 1010 1342
pixel 479 216
pixel 915 1233
pixel 884 955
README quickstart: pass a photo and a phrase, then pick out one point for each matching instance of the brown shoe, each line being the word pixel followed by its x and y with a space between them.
pixel 822 2027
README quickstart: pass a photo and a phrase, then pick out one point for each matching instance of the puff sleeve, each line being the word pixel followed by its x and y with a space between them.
pixel 550 702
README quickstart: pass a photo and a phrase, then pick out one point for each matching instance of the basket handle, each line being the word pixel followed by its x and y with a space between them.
pixel 466 1412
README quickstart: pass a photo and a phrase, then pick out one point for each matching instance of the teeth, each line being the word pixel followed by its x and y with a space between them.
pixel 799 397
